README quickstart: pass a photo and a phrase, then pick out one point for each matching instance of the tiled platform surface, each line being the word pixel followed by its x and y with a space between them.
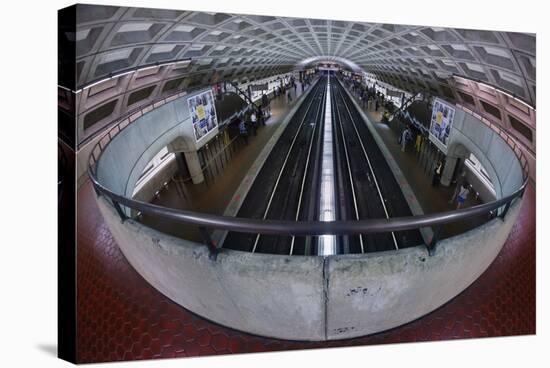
pixel 121 317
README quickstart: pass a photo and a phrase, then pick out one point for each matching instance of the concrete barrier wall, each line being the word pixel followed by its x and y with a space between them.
pixel 125 157
pixel 308 298
pixel 165 174
pixel 276 296
pixel 498 159
pixel 486 193
pixel 376 292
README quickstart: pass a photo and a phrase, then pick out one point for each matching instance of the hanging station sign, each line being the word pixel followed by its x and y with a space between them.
pixel 259 87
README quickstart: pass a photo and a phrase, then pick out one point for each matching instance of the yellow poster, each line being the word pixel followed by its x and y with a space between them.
pixel 439 117
pixel 200 112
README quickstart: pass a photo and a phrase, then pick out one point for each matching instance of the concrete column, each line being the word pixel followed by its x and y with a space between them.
pixel 191 166
pixel 447 174
pixel 194 166
pixel 182 165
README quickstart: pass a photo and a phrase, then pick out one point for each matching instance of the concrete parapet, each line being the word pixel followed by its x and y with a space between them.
pixel 308 297
pixel 276 296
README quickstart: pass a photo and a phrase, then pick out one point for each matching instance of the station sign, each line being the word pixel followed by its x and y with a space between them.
pixel 258 87
pixel 394 93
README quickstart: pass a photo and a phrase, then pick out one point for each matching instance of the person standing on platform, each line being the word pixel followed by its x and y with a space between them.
pixel 289 96
pixel 461 179
pixel 265 103
pixel 253 122
pixel 377 105
pixel 462 195
pixel 437 174
pixel 418 143
pixel 243 131
pixel 261 116
pixel 405 136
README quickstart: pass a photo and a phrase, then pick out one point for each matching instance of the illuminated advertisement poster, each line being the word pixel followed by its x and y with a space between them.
pixel 441 122
pixel 203 113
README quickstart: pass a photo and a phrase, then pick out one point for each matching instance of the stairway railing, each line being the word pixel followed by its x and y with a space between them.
pixel 244 96
pixel 406 104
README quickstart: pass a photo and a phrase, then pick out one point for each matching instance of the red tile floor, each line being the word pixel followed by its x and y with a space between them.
pixel 121 317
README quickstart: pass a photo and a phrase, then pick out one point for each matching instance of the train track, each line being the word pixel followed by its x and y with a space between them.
pixel 325 166
pixel 278 190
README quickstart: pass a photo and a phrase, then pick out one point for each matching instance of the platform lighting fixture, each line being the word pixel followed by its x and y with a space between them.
pixel 508 94
pixel 186 61
pixel 149 67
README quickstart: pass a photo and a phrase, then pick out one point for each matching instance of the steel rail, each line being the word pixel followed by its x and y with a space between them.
pixel 282 169
pixel 370 166
pixel 320 108
pixel 348 164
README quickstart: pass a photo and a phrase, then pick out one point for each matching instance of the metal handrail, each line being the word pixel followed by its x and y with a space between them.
pixel 245 96
pixel 304 228
pixel 297 228
pixel 406 104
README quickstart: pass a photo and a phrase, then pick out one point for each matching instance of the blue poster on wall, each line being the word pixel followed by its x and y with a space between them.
pixel 203 113
pixel 441 121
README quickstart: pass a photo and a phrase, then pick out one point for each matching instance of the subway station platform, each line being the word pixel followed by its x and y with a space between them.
pixel 214 195
pixel 202 231
pixel 121 316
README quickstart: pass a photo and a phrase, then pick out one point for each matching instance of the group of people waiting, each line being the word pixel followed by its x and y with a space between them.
pixel 253 118
pixel 286 89
pixel 462 188
pixel 373 100
pixel 370 98
pixel 256 116
pixel 411 133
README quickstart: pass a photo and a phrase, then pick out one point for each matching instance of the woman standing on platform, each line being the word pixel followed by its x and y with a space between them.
pixel 437 174
pixel 459 181
pixel 253 122
pixel 462 195
pixel 265 104
pixel 243 131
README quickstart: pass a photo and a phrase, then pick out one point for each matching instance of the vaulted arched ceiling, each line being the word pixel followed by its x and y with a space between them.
pixel 113 40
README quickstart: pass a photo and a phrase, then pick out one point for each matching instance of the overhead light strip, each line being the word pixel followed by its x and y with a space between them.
pixel 125 73
pixel 326 245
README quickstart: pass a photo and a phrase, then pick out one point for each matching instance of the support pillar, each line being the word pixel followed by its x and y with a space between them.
pixel 183 170
pixel 194 166
pixel 448 171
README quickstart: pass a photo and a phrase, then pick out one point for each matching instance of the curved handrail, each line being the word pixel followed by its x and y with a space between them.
pixel 298 228
pixel 304 228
